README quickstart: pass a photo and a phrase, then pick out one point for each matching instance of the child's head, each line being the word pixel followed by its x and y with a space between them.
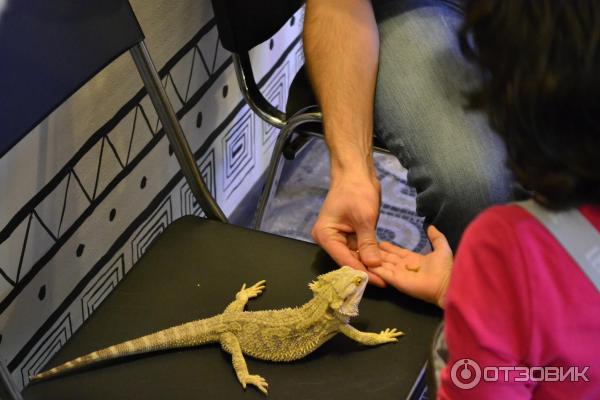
pixel 540 61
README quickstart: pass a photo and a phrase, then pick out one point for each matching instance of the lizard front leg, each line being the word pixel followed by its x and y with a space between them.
pixel 242 297
pixel 370 338
pixel 230 344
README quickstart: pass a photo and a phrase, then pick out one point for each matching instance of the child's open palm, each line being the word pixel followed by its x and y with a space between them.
pixel 421 276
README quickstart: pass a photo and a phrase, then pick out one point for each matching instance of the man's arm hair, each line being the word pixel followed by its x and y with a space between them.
pixel 341 43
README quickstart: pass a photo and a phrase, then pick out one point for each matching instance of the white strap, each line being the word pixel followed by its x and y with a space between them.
pixel 575 233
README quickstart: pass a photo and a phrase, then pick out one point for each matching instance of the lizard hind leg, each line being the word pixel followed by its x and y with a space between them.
pixel 230 344
pixel 242 297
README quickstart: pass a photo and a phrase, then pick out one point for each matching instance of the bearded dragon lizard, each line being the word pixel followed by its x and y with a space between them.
pixel 274 335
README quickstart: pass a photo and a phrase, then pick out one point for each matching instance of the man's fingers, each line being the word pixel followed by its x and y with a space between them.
pixel 342 255
pixel 351 241
pixel 367 246
pixel 438 240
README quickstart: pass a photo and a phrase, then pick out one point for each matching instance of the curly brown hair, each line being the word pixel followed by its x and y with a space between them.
pixel 540 63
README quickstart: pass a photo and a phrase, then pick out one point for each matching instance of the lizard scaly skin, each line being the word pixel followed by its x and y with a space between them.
pixel 275 335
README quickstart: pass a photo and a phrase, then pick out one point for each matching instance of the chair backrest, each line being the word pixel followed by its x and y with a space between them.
pixel 48 49
pixel 244 24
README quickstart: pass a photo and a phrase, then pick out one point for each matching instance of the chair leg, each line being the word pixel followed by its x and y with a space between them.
pixel 174 132
pixel 296 145
pixel 274 166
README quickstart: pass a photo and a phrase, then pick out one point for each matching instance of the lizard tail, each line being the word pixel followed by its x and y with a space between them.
pixel 184 335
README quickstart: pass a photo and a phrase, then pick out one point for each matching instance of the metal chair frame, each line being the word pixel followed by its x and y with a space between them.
pixel 174 132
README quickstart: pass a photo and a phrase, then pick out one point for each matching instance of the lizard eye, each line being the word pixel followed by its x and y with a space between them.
pixel 357 281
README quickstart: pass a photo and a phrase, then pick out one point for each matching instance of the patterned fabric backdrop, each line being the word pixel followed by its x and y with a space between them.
pixel 90 188
pixel 304 183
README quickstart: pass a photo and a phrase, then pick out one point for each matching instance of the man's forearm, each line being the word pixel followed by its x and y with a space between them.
pixel 341 43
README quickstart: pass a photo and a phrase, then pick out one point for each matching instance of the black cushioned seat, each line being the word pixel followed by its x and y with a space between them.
pixel 193 271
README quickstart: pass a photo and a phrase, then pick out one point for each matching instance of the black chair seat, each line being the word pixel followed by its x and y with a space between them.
pixel 193 271
pixel 301 96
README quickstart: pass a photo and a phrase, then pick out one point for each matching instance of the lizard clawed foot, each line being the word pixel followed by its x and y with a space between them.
pixel 256 380
pixel 390 335
pixel 253 291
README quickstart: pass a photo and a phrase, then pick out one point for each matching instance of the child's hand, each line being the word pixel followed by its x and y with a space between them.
pixel 421 276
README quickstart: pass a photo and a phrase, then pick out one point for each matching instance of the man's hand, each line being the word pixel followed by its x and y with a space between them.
pixel 422 276
pixel 347 223
pixel 341 45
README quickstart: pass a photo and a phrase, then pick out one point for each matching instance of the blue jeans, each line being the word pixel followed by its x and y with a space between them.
pixel 454 160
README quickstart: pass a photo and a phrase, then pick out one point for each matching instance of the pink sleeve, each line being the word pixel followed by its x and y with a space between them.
pixel 488 313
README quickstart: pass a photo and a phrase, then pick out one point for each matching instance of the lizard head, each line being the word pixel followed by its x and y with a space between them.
pixel 342 289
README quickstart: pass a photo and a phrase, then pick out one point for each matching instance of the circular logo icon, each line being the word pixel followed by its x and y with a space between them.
pixel 465 373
